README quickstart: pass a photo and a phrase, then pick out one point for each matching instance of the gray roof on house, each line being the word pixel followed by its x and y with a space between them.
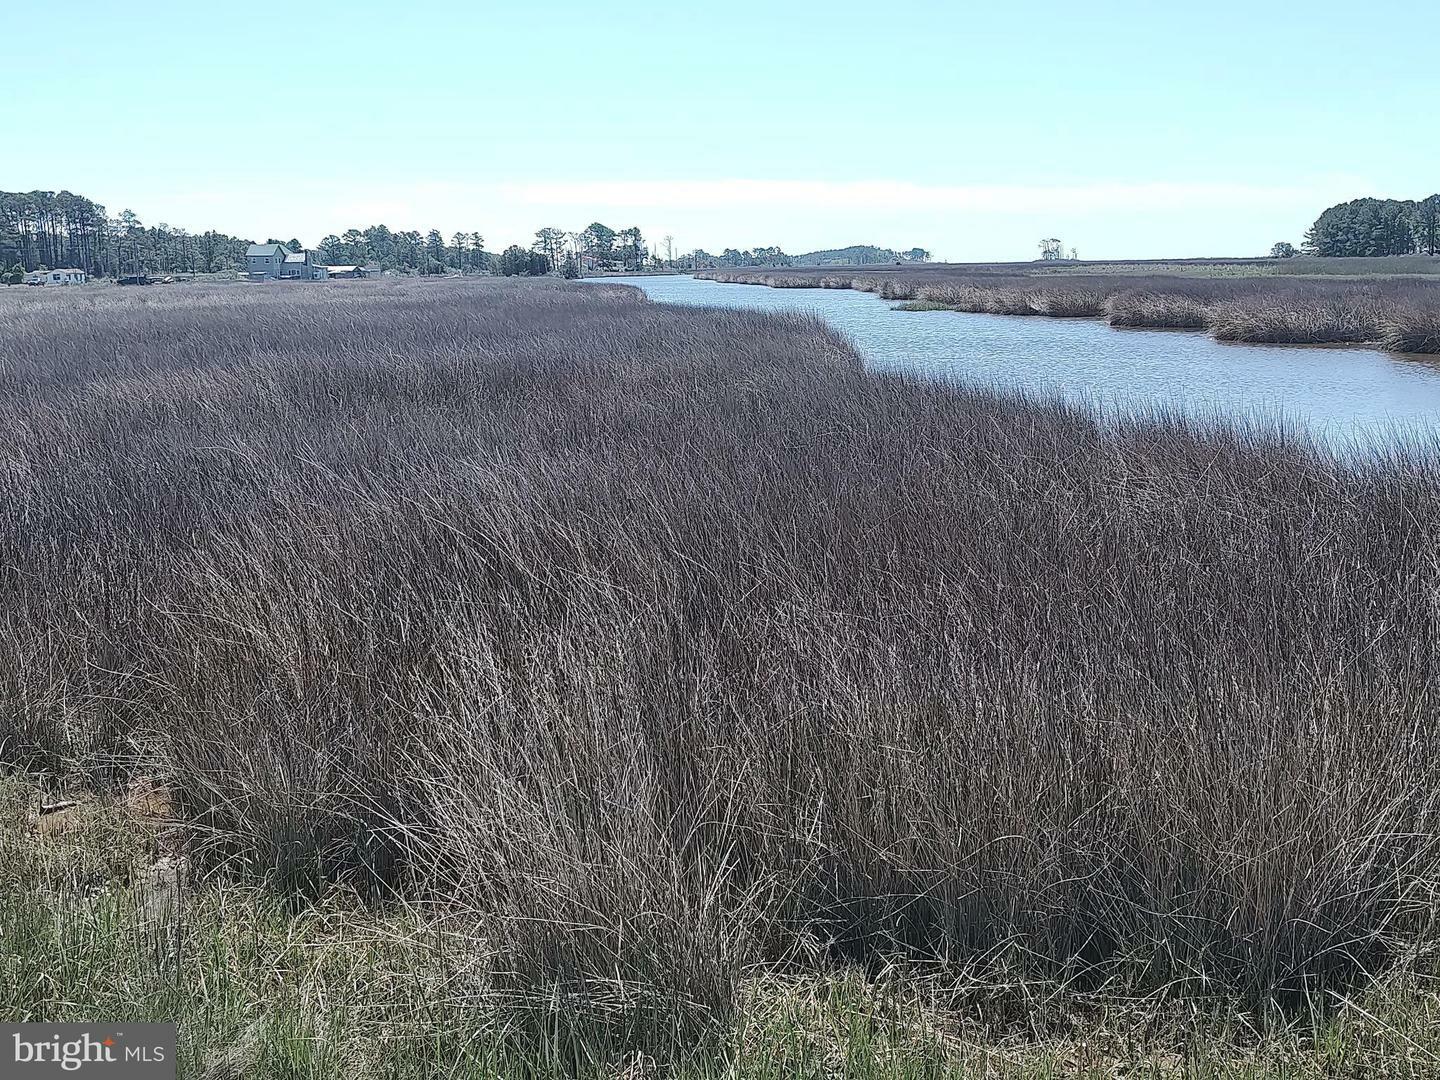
pixel 265 249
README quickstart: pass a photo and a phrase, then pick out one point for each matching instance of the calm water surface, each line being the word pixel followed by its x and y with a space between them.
pixel 1342 395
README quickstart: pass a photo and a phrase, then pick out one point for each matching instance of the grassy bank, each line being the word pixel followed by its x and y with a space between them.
pixel 105 918
pixel 1399 313
pixel 593 683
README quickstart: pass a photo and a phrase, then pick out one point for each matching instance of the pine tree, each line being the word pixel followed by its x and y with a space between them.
pixel 1427 225
pixel 435 246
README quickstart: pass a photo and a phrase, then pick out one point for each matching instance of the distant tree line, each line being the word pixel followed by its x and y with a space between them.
pixel 1369 227
pixel 701 259
pixel 59 229
pixel 596 247
pixel 600 247
pixel 861 255
pixel 47 229
pixel 407 251
pixel 517 261
pixel 857 255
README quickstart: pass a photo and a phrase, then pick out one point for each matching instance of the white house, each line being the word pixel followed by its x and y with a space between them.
pixel 55 277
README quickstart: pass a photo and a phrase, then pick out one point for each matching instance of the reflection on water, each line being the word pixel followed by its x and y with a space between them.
pixel 1339 394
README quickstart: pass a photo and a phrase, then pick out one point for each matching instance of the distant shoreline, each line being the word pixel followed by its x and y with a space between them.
pixel 1399 313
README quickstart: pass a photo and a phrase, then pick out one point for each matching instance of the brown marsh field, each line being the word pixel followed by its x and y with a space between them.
pixel 470 678
pixel 1392 303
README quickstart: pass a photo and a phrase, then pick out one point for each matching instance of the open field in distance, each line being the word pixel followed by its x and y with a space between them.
pixel 1398 309
pixel 471 677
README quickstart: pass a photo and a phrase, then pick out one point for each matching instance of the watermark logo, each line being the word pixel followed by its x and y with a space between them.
pixel 119 1052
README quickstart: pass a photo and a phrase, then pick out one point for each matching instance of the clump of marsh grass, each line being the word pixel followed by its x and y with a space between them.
pixel 958 296
pixel 1138 308
pixel 898 289
pixel 1070 303
pixel 1003 301
pixel 1294 319
pixel 1412 329
pixel 785 281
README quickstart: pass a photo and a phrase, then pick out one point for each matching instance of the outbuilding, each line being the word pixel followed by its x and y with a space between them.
pixel 69 276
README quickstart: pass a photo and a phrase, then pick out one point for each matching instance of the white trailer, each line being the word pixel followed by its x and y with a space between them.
pixel 55 277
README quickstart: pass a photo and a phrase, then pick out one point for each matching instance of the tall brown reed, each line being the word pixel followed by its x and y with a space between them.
pixel 666 643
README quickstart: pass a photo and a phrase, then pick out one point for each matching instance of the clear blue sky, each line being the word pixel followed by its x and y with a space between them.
pixel 1125 128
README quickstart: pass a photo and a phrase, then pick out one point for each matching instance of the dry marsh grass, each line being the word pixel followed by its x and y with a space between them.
pixel 1164 311
pixel 1397 313
pixel 98 927
pixel 1302 320
pixel 1412 333
pixel 659 647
